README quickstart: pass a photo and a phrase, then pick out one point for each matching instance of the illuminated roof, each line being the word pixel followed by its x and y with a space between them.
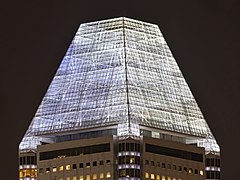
pixel 115 72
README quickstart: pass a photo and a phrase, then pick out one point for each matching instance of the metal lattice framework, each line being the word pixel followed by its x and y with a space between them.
pixel 118 71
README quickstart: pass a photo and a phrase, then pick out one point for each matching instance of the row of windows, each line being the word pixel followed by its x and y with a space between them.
pixel 75 166
pixel 88 177
pixel 174 152
pixel 75 151
pixel 28 160
pixel 129 173
pixel 129 147
pixel 23 173
pixel 173 167
pixel 213 162
pixel 129 160
pixel 212 174
pixel 158 177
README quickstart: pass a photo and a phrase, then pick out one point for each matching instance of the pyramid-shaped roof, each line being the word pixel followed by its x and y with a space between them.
pixel 118 72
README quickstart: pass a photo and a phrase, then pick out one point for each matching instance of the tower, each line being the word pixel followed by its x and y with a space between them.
pixel 118 107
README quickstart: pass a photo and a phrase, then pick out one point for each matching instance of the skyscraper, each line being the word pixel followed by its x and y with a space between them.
pixel 118 107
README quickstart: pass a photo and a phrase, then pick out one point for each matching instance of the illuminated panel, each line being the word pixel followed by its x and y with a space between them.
pixel 118 71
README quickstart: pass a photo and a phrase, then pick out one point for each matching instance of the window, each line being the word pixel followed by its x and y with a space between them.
pixel 101 175
pixel 40 170
pixel 163 165
pixel 163 178
pixel 208 174
pixel 81 178
pixel 152 176
pixel 74 166
pixel 67 178
pixel 211 161
pixel 152 163
pixel 196 171
pixel 146 162
pixel 179 168
pixel 169 166
pixel 88 177
pixel 101 162
pixel 94 176
pixel 185 169
pixel 157 177
pixel 47 170
pixel 60 168
pixel 68 167
pixel 108 175
pixel 146 175
pixel 174 167
pixel 54 169
pixel 190 170
pixel 158 164
pixel 217 162
pixel 132 160
pixel 74 177
pixel 60 178
pixel 94 163
pixel 169 178
pixel 108 161
pixel 88 165
pixel 201 172
pixel 81 165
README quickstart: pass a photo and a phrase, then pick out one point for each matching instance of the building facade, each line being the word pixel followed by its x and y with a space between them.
pixel 119 107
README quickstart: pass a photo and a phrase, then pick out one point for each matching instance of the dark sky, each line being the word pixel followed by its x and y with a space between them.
pixel 204 36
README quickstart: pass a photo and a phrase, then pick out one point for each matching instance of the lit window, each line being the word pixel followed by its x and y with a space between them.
pixel 88 177
pixel 67 178
pixel 74 177
pixel 21 174
pixel 201 172
pixel 169 178
pixel 28 173
pixel 60 178
pixel 47 170
pixel 81 178
pixel 108 161
pixel 101 175
pixel 88 165
pixel 152 176
pixel 132 160
pixel 174 179
pixel 68 167
pixel 108 175
pixel 146 175
pixel 54 169
pixel 163 178
pixel 157 177
pixel 94 176
pixel 190 170
pixel 61 168
pixel 34 173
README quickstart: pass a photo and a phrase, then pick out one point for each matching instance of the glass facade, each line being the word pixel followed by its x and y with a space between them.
pixel 115 72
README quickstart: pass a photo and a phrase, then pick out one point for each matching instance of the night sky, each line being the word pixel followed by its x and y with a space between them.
pixel 203 35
